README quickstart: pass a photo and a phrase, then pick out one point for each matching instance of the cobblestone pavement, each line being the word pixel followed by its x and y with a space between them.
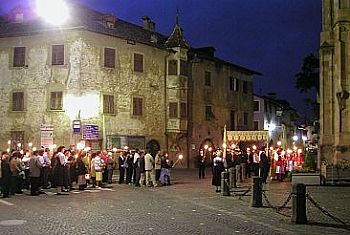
pixel 189 206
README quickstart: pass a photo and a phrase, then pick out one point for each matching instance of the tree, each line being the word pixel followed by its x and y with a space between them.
pixel 308 78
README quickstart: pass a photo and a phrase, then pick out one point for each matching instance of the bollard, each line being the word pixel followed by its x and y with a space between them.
pixel 238 173
pixel 225 189
pixel 233 179
pixel 257 192
pixel 244 171
pixel 299 204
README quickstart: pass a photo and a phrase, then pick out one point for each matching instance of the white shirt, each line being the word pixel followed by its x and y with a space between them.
pixel 136 156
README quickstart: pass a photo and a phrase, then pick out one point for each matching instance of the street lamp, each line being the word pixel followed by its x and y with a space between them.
pixel 55 12
pixel 295 138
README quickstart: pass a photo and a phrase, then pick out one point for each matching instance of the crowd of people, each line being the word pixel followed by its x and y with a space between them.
pixel 65 169
pixel 256 163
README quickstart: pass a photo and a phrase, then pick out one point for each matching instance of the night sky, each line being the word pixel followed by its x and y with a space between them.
pixel 268 36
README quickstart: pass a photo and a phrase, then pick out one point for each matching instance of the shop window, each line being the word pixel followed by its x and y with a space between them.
pixel 18 101
pixel 137 106
pixel 173 110
pixel 108 104
pixel 19 54
pixel 109 58
pixel 57 55
pixel 207 78
pixel 183 110
pixel 56 100
pixel 138 62
pixel 172 67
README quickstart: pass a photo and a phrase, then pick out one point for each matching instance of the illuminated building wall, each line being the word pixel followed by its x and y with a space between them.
pixel 335 82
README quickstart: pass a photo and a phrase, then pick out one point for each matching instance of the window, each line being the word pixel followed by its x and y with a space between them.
pixel 234 84
pixel 57 55
pixel 245 119
pixel 109 58
pixel 245 87
pixel 56 101
pixel 108 104
pixel 256 106
pixel 208 113
pixel 172 67
pixel 233 119
pixel 183 68
pixel 343 4
pixel 137 106
pixel 183 110
pixel 256 125
pixel 19 54
pixel 207 78
pixel 138 63
pixel 17 137
pixel 17 101
pixel 173 110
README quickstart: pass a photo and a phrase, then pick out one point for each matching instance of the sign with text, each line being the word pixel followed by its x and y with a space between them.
pixel 91 132
pixel 76 126
pixel 46 135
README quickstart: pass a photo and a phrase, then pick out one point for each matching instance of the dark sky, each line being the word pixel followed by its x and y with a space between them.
pixel 269 36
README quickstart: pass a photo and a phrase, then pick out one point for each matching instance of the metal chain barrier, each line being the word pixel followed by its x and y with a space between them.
pixel 244 193
pixel 277 208
pixel 325 212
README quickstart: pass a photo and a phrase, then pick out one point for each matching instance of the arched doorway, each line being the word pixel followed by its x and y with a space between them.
pixel 153 146
pixel 208 148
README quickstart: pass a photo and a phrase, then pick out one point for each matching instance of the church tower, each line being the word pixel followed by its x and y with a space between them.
pixel 335 81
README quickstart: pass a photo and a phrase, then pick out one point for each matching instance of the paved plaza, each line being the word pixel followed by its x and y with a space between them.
pixel 188 206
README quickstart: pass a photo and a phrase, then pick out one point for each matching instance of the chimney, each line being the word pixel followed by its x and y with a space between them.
pixel 148 24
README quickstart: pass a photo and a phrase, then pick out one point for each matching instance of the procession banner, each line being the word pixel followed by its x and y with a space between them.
pixel 247 136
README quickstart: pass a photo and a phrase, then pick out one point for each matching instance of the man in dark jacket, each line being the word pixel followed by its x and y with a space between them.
pixel 264 165
pixel 5 174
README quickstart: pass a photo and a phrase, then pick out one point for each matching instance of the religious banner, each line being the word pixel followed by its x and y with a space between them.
pixel 247 135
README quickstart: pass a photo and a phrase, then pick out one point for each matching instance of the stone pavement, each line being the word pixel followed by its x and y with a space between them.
pixel 189 206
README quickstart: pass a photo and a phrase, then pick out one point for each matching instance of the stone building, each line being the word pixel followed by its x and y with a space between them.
pixel 277 117
pixel 222 95
pixel 107 83
pixel 335 81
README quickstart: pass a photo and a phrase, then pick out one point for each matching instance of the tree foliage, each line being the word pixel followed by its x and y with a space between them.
pixel 308 78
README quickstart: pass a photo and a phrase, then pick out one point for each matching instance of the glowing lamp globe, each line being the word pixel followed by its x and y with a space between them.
pixel 54 12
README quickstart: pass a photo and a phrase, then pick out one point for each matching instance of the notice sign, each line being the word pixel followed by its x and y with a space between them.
pixel 76 126
pixel 46 135
pixel 91 132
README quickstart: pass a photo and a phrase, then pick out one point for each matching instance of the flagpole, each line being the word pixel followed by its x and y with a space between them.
pixel 224 145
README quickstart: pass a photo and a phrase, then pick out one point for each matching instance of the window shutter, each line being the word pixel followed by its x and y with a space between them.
pixel 19 57
pixel 138 63
pixel 109 58
pixel 18 101
pixel 57 55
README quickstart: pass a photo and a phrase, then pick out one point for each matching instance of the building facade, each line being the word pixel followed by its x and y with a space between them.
pixel 221 94
pixel 335 82
pixel 107 83
pixel 278 118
